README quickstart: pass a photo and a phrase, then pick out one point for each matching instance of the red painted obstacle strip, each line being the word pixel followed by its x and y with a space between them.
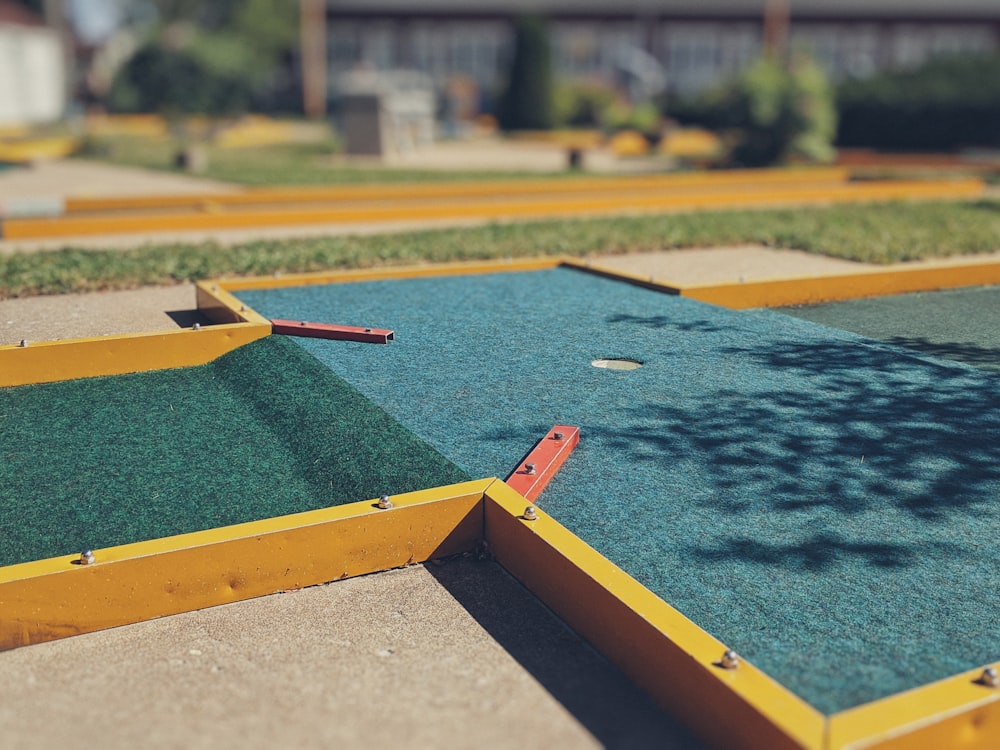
pixel 538 468
pixel 338 333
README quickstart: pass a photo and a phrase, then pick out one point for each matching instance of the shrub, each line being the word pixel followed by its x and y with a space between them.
pixel 527 100
pixel 778 113
pixel 947 104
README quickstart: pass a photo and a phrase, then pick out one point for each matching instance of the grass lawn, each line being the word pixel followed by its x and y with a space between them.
pixel 882 233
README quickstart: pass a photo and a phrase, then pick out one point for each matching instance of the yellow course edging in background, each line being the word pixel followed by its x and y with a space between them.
pixel 459 189
pixel 848 286
pixel 386 273
pixel 552 203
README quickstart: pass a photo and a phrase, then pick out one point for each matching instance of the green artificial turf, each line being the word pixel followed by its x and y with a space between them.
pixel 264 431
pixel 823 503
pixel 959 324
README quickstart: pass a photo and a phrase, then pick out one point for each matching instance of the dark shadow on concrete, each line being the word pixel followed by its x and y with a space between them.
pixel 187 318
pixel 616 712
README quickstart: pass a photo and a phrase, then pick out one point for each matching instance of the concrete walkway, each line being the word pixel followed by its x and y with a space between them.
pixel 453 655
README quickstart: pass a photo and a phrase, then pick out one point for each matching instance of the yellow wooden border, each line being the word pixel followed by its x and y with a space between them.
pixel 846 286
pixel 461 189
pixel 958 711
pixel 55 598
pixel 661 650
pixel 69 359
pixel 486 208
pixel 384 273
pixel 52 361
pixel 635 279
pixel 218 304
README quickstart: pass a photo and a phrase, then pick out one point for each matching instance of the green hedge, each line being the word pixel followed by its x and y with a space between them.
pixel 775 112
pixel 948 104
pixel 527 100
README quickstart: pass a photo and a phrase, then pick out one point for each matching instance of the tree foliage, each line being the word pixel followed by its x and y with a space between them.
pixel 779 112
pixel 211 58
pixel 948 103
pixel 527 100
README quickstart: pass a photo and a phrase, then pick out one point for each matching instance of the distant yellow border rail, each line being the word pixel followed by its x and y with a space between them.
pixel 496 201
pixel 461 188
pixel 865 282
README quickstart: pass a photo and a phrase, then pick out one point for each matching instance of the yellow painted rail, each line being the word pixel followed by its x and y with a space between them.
pixel 459 189
pixel 58 597
pixel 494 208
pixel 51 361
pixel 69 359
pixel 398 272
pixel 666 654
pixel 842 287
pixel 960 711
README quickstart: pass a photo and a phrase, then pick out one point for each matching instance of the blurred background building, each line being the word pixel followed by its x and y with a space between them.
pixel 695 44
pixel 32 67
pixel 632 64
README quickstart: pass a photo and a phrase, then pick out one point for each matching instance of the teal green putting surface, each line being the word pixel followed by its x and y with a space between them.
pixel 264 431
pixel 958 324
pixel 823 503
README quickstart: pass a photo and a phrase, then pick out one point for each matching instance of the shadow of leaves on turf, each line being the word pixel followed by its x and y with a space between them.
pixel 832 429
pixel 971 354
pixel 818 552
pixel 666 321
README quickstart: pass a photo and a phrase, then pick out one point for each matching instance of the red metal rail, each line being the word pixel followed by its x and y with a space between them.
pixel 544 460
pixel 337 333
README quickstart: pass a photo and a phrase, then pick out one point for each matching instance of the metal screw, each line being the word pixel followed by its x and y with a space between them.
pixel 530 514
pixel 303 323
pixel 730 659
pixel 196 327
pixel 243 308
pixel 990 677
pixel 215 287
pixel 24 343
pixel 529 468
pixel 87 557
pixel 368 330
pixel 558 436
pixel 384 502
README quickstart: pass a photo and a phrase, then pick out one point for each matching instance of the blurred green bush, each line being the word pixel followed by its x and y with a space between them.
pixel 526 102
pixel 772 112
pixel 948 104
pixel 207 58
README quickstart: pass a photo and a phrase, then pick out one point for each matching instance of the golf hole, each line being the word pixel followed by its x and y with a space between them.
pixel 620 363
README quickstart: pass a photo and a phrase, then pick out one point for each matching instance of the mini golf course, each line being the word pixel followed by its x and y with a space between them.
pixel 821 501
pixel 762 474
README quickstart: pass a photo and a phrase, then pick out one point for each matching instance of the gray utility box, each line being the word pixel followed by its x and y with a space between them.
pixel 386 113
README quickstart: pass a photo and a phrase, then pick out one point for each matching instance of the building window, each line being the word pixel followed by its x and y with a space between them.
pixel 692 56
